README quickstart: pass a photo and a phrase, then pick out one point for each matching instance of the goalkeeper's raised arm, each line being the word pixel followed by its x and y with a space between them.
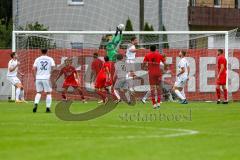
pixel 113 45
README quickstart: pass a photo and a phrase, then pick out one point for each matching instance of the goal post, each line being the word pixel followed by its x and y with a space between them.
pixel 196 42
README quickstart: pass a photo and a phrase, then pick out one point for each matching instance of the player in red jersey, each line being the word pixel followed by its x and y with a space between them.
pixel 96 67
pixel 71 79
pixel 152 61
pixel 222 77
pixel 104 80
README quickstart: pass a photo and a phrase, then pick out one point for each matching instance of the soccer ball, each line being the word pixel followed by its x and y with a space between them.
pixel 121 27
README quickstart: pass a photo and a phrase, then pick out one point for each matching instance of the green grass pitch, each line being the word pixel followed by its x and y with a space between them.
pixel 198 131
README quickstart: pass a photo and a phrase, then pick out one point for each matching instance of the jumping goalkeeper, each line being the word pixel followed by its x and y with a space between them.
pixel 113 45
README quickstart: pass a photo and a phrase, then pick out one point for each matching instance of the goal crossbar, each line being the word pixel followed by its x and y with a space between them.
pixel 124 32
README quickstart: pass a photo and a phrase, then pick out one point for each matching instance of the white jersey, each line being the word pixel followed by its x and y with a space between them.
pixel 131 55
pixel 11 64
pixel 183 64
pixel 44 66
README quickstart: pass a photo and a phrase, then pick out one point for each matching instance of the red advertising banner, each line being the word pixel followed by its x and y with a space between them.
pixel 201 85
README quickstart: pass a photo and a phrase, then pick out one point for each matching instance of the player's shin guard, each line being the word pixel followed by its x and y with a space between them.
pixel 48 101
pixel 225 94
pixel 218 92
pixel 37 98
pixel 18 92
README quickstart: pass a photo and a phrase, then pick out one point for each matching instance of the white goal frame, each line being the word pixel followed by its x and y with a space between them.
pixel 226 33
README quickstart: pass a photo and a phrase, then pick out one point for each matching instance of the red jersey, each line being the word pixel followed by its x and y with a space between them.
pixel 222 60
pixel 69 73
pixel 106 67
pixel 97 65
pixel 153 59
pixel 102 80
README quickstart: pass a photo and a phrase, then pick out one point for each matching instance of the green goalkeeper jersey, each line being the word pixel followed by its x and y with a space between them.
pixel 113 46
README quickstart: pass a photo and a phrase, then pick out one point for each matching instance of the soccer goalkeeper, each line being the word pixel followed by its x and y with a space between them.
pixel 113 45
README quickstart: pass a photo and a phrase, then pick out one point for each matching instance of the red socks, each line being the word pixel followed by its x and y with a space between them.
pixel 159 95
pixel 225 94
pixel 81 93
pixel 64 96
pixel 153 96
pixel 219 94
pixel 102 94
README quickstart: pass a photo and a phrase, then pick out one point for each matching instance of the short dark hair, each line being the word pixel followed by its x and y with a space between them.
pixel 133 39
pixel 153 48
pixel 95 55
pixel 184 53
pixel 220 51
pixel 106 58
pixel 119 57
pixel 44 51
pixel 12 54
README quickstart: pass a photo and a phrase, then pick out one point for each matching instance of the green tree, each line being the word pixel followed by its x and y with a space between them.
pixel 145 38
pixel 38 41
pixel 6 12
pixel 165 39
pixel 151 38
pixel 5 23
pixel 127 38
pixel 129 26
pixel 6 35
pixel 34 27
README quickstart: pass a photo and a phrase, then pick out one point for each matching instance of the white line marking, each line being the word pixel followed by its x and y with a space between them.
pixel 158 131
pixel 182 132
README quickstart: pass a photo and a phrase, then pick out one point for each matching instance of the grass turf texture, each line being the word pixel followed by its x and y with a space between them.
pixel 27 136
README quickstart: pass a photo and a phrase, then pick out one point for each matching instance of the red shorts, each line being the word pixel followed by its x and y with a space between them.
pixel 70 83
pixel 222 80
pixel 101 82
pixel 155 79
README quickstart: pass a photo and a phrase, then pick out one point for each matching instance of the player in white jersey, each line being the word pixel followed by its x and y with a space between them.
pixel 42 69
pixel 13 79
pixel 182 77
pixel 121 84
pixel 131 50
pixel 131 59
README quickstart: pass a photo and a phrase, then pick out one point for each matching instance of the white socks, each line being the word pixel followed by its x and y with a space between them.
pixel 183 94
pixel 117 94
pixel 49 101
pixel 37 98
pixel 127 94
pixel 18 92
pixel 178 93
pixel 148 94
pixel 22 95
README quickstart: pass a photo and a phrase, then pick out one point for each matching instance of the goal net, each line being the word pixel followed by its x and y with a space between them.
pixel 201 48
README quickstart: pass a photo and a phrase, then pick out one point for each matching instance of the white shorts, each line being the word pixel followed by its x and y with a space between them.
pixel 13 80
pixel 121 83
pixel 130 65
pixel 181 82
pixel 43 85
